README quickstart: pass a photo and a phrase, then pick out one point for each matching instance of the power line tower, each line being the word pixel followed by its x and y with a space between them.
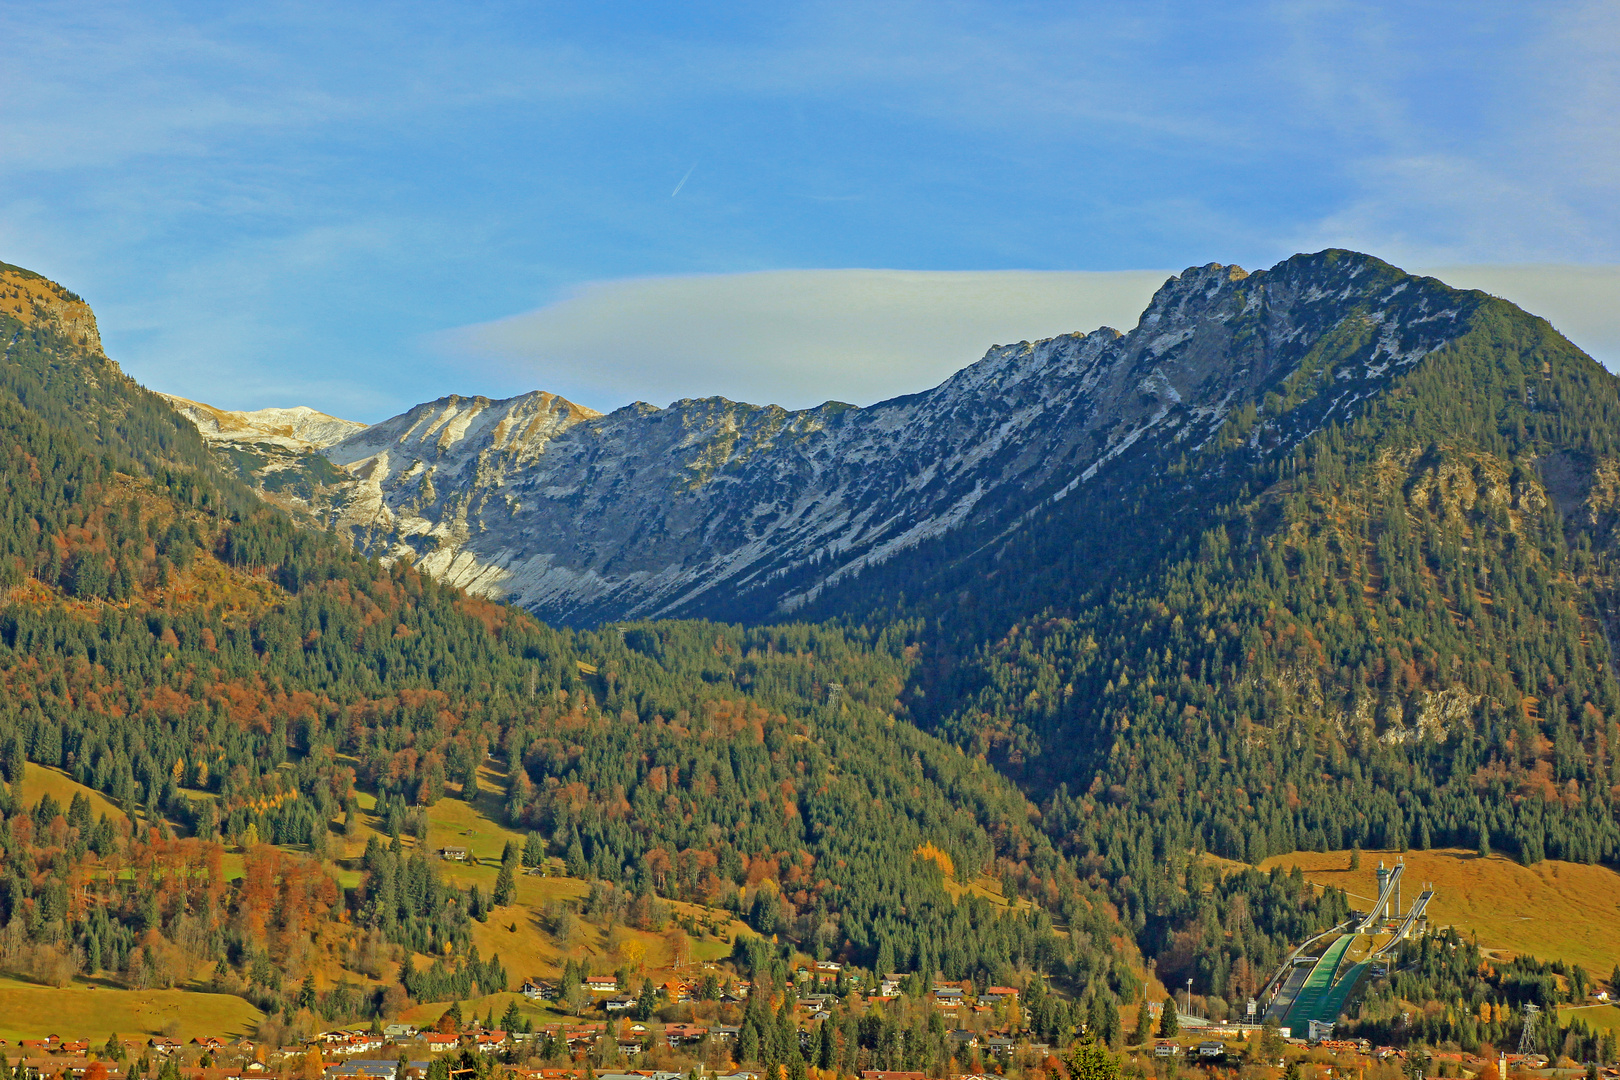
pixel 1527 1037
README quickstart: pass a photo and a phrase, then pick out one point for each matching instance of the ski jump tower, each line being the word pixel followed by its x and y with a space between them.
pixel 1388 905
pixel 1389 882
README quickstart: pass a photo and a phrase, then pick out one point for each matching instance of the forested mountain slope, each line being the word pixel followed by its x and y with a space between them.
pixel 1374 608
pixel 52 365
pixel 230 681
pixel 1317 556
pixel 1328 514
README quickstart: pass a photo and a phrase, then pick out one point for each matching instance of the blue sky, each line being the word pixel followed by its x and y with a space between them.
pixel 323 203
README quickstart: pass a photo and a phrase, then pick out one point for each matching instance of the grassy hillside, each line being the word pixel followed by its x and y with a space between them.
pixel 515 931
pixel 42 780
pixel 1554 910
pixel 1604 1018
pixel 97 1010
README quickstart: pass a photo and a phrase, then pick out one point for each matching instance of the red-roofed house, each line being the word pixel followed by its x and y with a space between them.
pixel 684 1033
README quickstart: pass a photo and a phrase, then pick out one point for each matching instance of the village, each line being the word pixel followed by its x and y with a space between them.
pixel 988 1039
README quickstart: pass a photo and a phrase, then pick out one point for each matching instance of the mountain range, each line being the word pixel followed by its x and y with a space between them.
pixel 717 508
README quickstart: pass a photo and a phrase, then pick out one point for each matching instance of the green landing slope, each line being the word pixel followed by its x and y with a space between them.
pixel 1319 987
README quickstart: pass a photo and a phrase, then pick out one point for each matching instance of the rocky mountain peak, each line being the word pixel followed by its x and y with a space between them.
pixel 453 428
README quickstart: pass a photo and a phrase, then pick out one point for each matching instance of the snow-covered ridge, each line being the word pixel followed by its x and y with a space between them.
pixel 720 508
pixel 297 428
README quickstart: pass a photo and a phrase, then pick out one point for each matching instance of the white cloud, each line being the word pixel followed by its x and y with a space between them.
pixel 800 337
pixel 794 337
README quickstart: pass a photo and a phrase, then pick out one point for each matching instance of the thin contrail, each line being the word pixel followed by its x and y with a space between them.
pixel 684 179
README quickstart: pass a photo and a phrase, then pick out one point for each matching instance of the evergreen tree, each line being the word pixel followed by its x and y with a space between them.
pixel 1169 1022
pixel 505 886
pixel 1088 1059
pixel 885 959
pixel 826 1046
pixel 646 1001
pixel 1144 1023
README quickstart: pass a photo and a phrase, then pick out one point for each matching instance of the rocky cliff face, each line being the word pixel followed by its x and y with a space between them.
pixel 716 507
pixel 29 298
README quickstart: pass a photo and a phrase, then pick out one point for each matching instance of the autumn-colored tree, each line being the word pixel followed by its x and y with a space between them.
pixel 258 891
pixel 929 853
pixel 633 952
pixel 680 947
pixel 657 863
